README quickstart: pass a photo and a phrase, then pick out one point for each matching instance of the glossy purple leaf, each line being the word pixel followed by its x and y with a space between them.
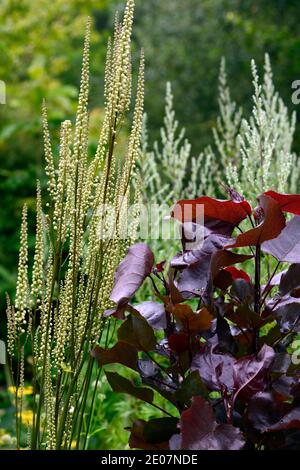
pixel 132 272
pixel 200 431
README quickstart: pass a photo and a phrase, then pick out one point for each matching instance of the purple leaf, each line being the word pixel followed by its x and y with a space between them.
pixel 132 272
pixel 250 373
pixel 154 313
pixel 287 312
pixel 207 363
pixel 290 279
pixel 268 416
pixel 200 431
pixel 286 247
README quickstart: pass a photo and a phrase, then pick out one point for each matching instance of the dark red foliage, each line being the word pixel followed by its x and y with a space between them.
pixel 288 202
pixel 237 273
pixel 213 328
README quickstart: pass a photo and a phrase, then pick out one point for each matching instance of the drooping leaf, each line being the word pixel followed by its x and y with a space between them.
pixel 286 247
pixel 131 273
pixel 250 373
pixel 154 313
pixel 121 353
pixel 137 332
pixel 120 384
pixel 271 226
pixel 288 202
pixel 200 431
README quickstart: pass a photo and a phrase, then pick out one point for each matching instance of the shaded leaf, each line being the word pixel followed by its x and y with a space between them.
pixel 137 332
pixel 290 279
pixel 207 363
pixel 200 431
pixel 141 429
pixel 268 416
pixel 250 373
pixel 191 386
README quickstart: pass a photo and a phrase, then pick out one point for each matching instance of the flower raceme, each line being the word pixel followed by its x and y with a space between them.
pixel 215 340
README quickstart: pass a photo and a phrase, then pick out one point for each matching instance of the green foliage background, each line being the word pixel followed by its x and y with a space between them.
pixel 184 40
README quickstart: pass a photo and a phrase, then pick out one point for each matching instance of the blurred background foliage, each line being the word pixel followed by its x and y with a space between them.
pixel 184 40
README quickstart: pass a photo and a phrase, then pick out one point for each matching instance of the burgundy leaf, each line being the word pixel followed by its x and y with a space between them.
pixel 286 247
pixel 238 273
pixel 200 431
pixel 268 229
pixel 131 273
pixel 228 211
pixel 288 202
pixel 250 373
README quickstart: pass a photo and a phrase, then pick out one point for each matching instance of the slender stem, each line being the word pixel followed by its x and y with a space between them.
pixel 257 294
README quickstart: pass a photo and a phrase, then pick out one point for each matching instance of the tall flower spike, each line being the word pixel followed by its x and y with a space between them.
pixel 50 169
pixel 11 327
pixel 37 272
pixel 135 136
pixel 21 302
